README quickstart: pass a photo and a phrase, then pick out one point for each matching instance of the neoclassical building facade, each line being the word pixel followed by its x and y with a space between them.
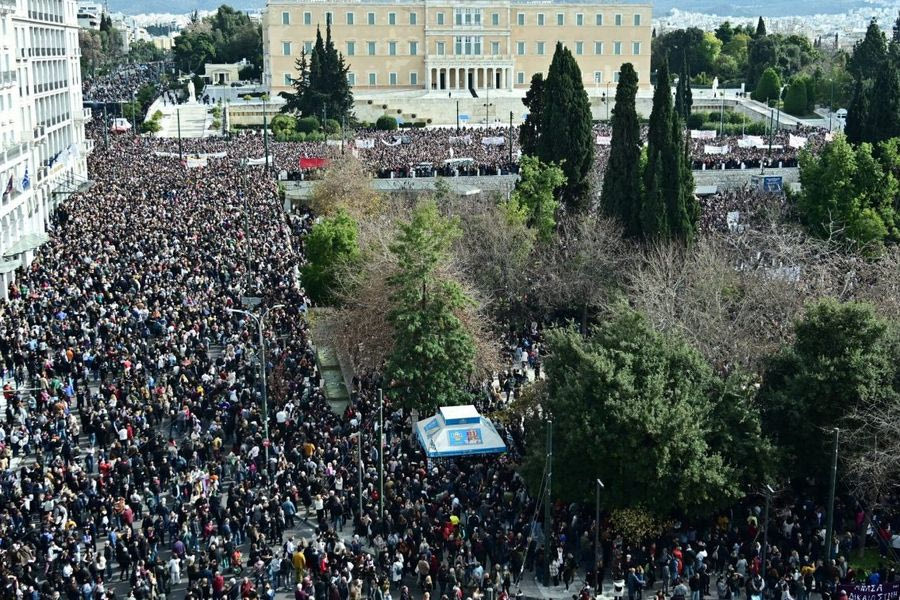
pixel 443 45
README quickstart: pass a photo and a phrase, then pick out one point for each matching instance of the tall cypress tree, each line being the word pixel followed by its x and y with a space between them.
pixel 760 28
pixel 621 198
pixel 529 133
pixel 567 114
pixel 654 213
pixel 684 97
pixel 337 88
pixel 884 114
pixel 857 127
pixel 681 203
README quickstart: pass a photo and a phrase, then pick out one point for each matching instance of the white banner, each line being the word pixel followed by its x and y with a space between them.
pixel 751 141
pixel 393 142
pixel 604 140
pixel 795 141
pixel 703 134
pixel 365 143
pixel 253 162
pixel 333 142
pixel 829 137
pixel 707 149
pixel 460 139
pixel 194 162
pixel 493 141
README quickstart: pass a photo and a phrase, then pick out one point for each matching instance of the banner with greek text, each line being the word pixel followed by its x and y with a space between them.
pixel 881 591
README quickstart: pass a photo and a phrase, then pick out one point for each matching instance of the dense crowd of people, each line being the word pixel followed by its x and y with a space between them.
pixel 138 461
pixel 119 85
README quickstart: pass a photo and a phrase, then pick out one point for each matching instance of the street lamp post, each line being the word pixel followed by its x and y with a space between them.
pixel 607 103
pixel 765 546
pixel 597 540
pixel 260 323
pixel 829 523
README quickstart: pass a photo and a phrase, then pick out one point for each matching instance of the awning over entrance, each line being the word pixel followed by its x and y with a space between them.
pixel 458 431
pixel 27 242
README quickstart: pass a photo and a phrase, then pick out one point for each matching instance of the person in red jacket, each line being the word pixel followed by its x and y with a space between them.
pixel 218 585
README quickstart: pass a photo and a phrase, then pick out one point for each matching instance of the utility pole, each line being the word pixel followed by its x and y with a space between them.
pixel 178 119
pixel 133 114
pixel 722 118
pixel 457 115
pixel 266 133
pixel 359 469
pixel 829 523
pixel 510 136
pixel 260 323
pixel 105 127
pixel 597 541
pixel 380 456
pixel 765 546
pixel 548 507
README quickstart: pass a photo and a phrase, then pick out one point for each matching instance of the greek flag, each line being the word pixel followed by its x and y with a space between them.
pixel 26 180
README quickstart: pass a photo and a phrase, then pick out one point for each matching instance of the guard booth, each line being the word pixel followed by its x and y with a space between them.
pixel 458 431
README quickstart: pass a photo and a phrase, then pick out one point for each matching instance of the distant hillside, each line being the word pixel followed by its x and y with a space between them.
pixel 737 8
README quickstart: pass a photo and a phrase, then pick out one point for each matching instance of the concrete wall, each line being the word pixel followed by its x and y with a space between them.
pixel 727 179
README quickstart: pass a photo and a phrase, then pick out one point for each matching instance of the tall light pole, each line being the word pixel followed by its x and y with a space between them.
pixel 260 323
pixel 829 523
pixel 765 547
pixel 380 458
pixel 597 541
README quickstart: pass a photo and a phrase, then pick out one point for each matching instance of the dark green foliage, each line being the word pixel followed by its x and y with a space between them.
pixel 847 192
pixel 566 138
pixel 433 354
pixel 621 197
pixel 885 110
pixel 321 88
pixel 307 124
pixel 760 28
pixel 769 87
pixel 684 98
pixel 386 123
pixel 529 133
pixel 224 37
pixel 844 357
pixel 330 246
pixel 669 210
pixel 869 54
pixel 645 413
pixel 762 54
pixel 795 98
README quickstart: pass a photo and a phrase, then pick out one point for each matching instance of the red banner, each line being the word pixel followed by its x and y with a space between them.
pixel 313 163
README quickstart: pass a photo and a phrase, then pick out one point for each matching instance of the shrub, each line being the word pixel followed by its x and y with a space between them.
pixel 332 126
pixel 283 124
pixel 216 124
pixel 419 124
pixel 386 123
pixel 308 125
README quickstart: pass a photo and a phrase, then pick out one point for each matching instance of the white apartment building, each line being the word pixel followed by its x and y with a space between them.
pixel 43 149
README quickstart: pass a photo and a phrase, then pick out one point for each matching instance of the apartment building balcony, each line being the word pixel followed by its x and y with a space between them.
pixel 11 152
pixel 7 6
pixel 84 116
pixel 8 78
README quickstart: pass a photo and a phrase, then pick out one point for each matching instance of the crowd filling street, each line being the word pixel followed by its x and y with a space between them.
pixel 142 459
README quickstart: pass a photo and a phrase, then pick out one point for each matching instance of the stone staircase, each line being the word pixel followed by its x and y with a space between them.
pixel 194 121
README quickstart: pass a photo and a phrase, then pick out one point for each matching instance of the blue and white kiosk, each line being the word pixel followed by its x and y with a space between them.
pixel 458 431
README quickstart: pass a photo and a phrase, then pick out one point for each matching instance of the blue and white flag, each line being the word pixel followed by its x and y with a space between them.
pixel 26 180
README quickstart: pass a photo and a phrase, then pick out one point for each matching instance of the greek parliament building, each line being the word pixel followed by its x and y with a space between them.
pixel 43 149
pixel 457 44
